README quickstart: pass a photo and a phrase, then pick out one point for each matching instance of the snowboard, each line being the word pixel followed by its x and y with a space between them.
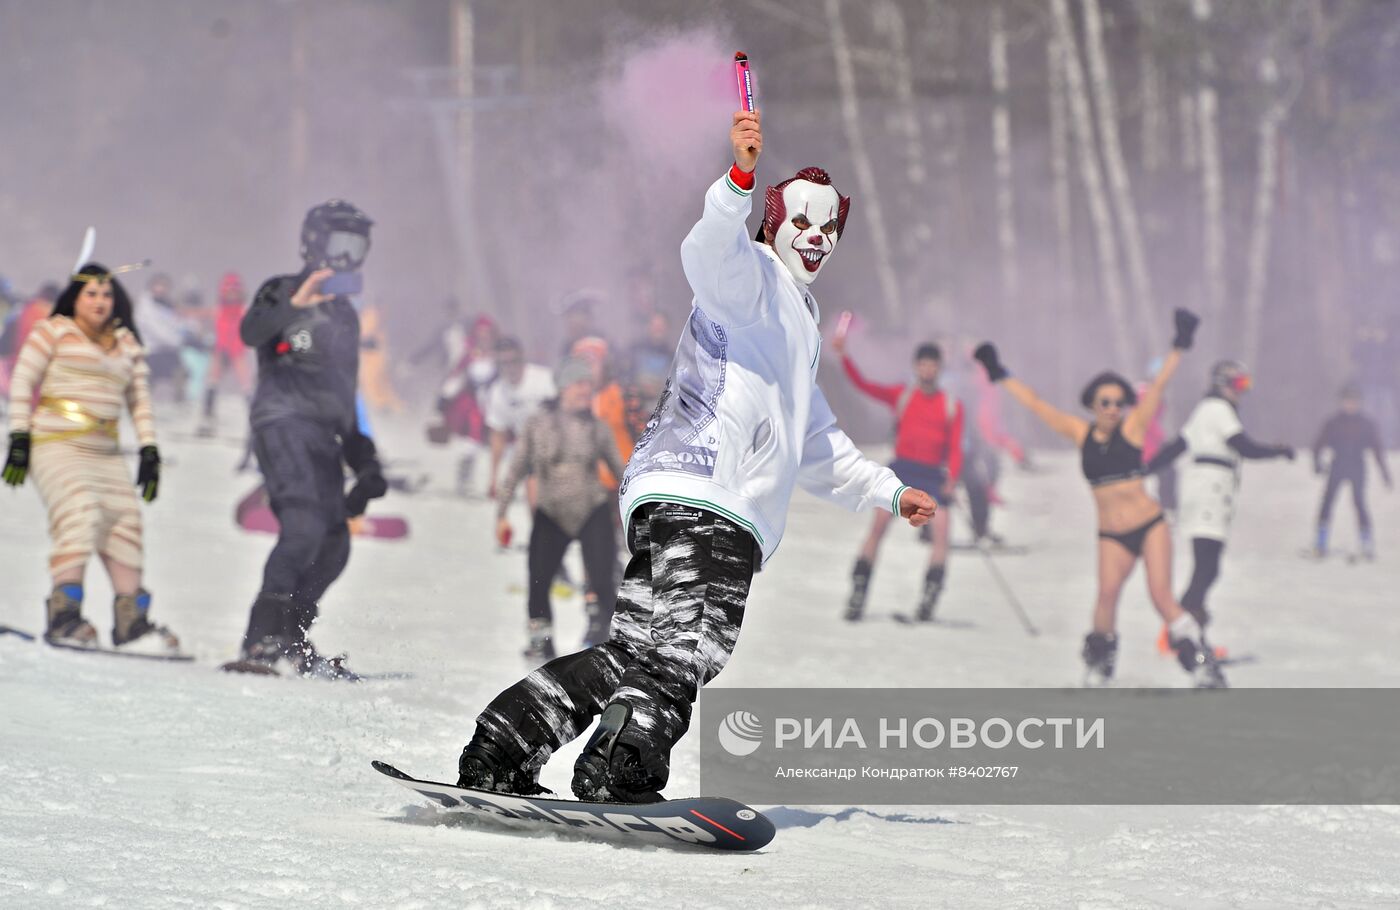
pixel 254 513
pixel 705 822
pixel 258 668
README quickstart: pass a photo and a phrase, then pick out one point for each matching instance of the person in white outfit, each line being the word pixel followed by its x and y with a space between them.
pixel 1216 439
pixel 740 423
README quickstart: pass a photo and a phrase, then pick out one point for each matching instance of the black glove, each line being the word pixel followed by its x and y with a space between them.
pixel 359 452
pixel 370 484
pixel 17 464
pixel 986 354
pixel 1186 322
pixel 148 475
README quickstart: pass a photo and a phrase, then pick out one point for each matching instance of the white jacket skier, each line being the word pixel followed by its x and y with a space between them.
pixel 742 420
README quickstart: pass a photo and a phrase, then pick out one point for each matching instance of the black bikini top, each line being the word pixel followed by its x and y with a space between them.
pixel 1110 461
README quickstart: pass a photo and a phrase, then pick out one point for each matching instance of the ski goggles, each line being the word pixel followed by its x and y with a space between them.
pixel 1241 382
pixel 345 250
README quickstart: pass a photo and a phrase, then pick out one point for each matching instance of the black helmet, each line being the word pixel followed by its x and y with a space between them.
pixel 335 234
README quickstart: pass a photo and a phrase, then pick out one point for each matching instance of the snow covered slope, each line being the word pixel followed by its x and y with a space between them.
pixel 134 784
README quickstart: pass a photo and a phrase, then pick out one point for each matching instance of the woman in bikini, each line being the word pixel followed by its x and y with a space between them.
pixel 1131 524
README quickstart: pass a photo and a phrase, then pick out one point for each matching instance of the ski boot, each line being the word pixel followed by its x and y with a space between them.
pixel 1368 545
pixel 66 624
pixel 133 631
pixel 860 587
pixel 611 771
pixel 541 647
pixel 1198 659
pixel 1100 655
pixel 483 766
pixel 1319 550
pixel 933 588
pixel 599 625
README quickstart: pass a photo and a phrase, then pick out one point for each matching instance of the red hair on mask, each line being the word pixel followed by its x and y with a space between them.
pixel 775 212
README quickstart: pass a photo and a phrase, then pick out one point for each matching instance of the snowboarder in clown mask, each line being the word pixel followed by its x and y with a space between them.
pixel 740 423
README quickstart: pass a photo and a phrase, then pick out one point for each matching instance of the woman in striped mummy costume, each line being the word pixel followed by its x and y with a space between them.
pixel 75 374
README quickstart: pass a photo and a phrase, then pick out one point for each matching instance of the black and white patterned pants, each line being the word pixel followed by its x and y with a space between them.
pixel 677 618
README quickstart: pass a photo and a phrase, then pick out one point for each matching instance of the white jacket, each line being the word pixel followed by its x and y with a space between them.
pixel 741 420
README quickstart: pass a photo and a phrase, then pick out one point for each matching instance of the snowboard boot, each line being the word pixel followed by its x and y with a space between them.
pixel 933 589
pixel 611 771
pixel 541 647
pixel 306 661
pixel 1100 655
pixel 599 625
pixel 266 641
pixel 1368 545
pixel 1198 659
pixel 133 631
pixel 66 624
pixel 484 766
pixel 860 587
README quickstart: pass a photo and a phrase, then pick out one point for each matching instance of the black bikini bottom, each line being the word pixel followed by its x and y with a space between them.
pixel 1132 540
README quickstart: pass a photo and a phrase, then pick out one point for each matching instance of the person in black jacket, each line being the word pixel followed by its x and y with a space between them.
pixel 1350 434
pixel 307 336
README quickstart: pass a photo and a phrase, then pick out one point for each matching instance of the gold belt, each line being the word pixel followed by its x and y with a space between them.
pixel 74 412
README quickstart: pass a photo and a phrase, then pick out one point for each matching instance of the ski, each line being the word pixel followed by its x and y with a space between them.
pixel 18 633
pixel 1005 549
pixel 114 652
pixel 705 822
pixel 907 620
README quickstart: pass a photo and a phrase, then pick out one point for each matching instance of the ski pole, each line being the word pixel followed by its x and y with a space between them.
pixel 1012 600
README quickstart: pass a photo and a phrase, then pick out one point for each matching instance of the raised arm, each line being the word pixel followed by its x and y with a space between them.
pixel 720 261
pixel 1135 424
pixel 276 304
pixel 1067 425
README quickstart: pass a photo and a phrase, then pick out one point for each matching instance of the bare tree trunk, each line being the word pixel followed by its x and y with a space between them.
pixel 1119 184
pixel 889 19
pixel 860 160
pixel 1212 174
pixel 1110 272
pixel 1190 142
pixel 1154 126
pixel 462 163
pixel 1001 149
pixel 1260 232
pixel 1064 209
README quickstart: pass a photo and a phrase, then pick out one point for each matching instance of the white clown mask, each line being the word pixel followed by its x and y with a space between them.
pixel 805 216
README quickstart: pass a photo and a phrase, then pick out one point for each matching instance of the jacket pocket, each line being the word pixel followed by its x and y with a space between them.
pixel 764 440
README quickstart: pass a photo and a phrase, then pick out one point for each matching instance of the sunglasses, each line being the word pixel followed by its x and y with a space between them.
pixel 1109 402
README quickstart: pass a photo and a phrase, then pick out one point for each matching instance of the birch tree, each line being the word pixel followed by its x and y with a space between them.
pixel 1081 124
pixel 1119 184
pixel 1001 149
pixel 860 159
pixel 1212 175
